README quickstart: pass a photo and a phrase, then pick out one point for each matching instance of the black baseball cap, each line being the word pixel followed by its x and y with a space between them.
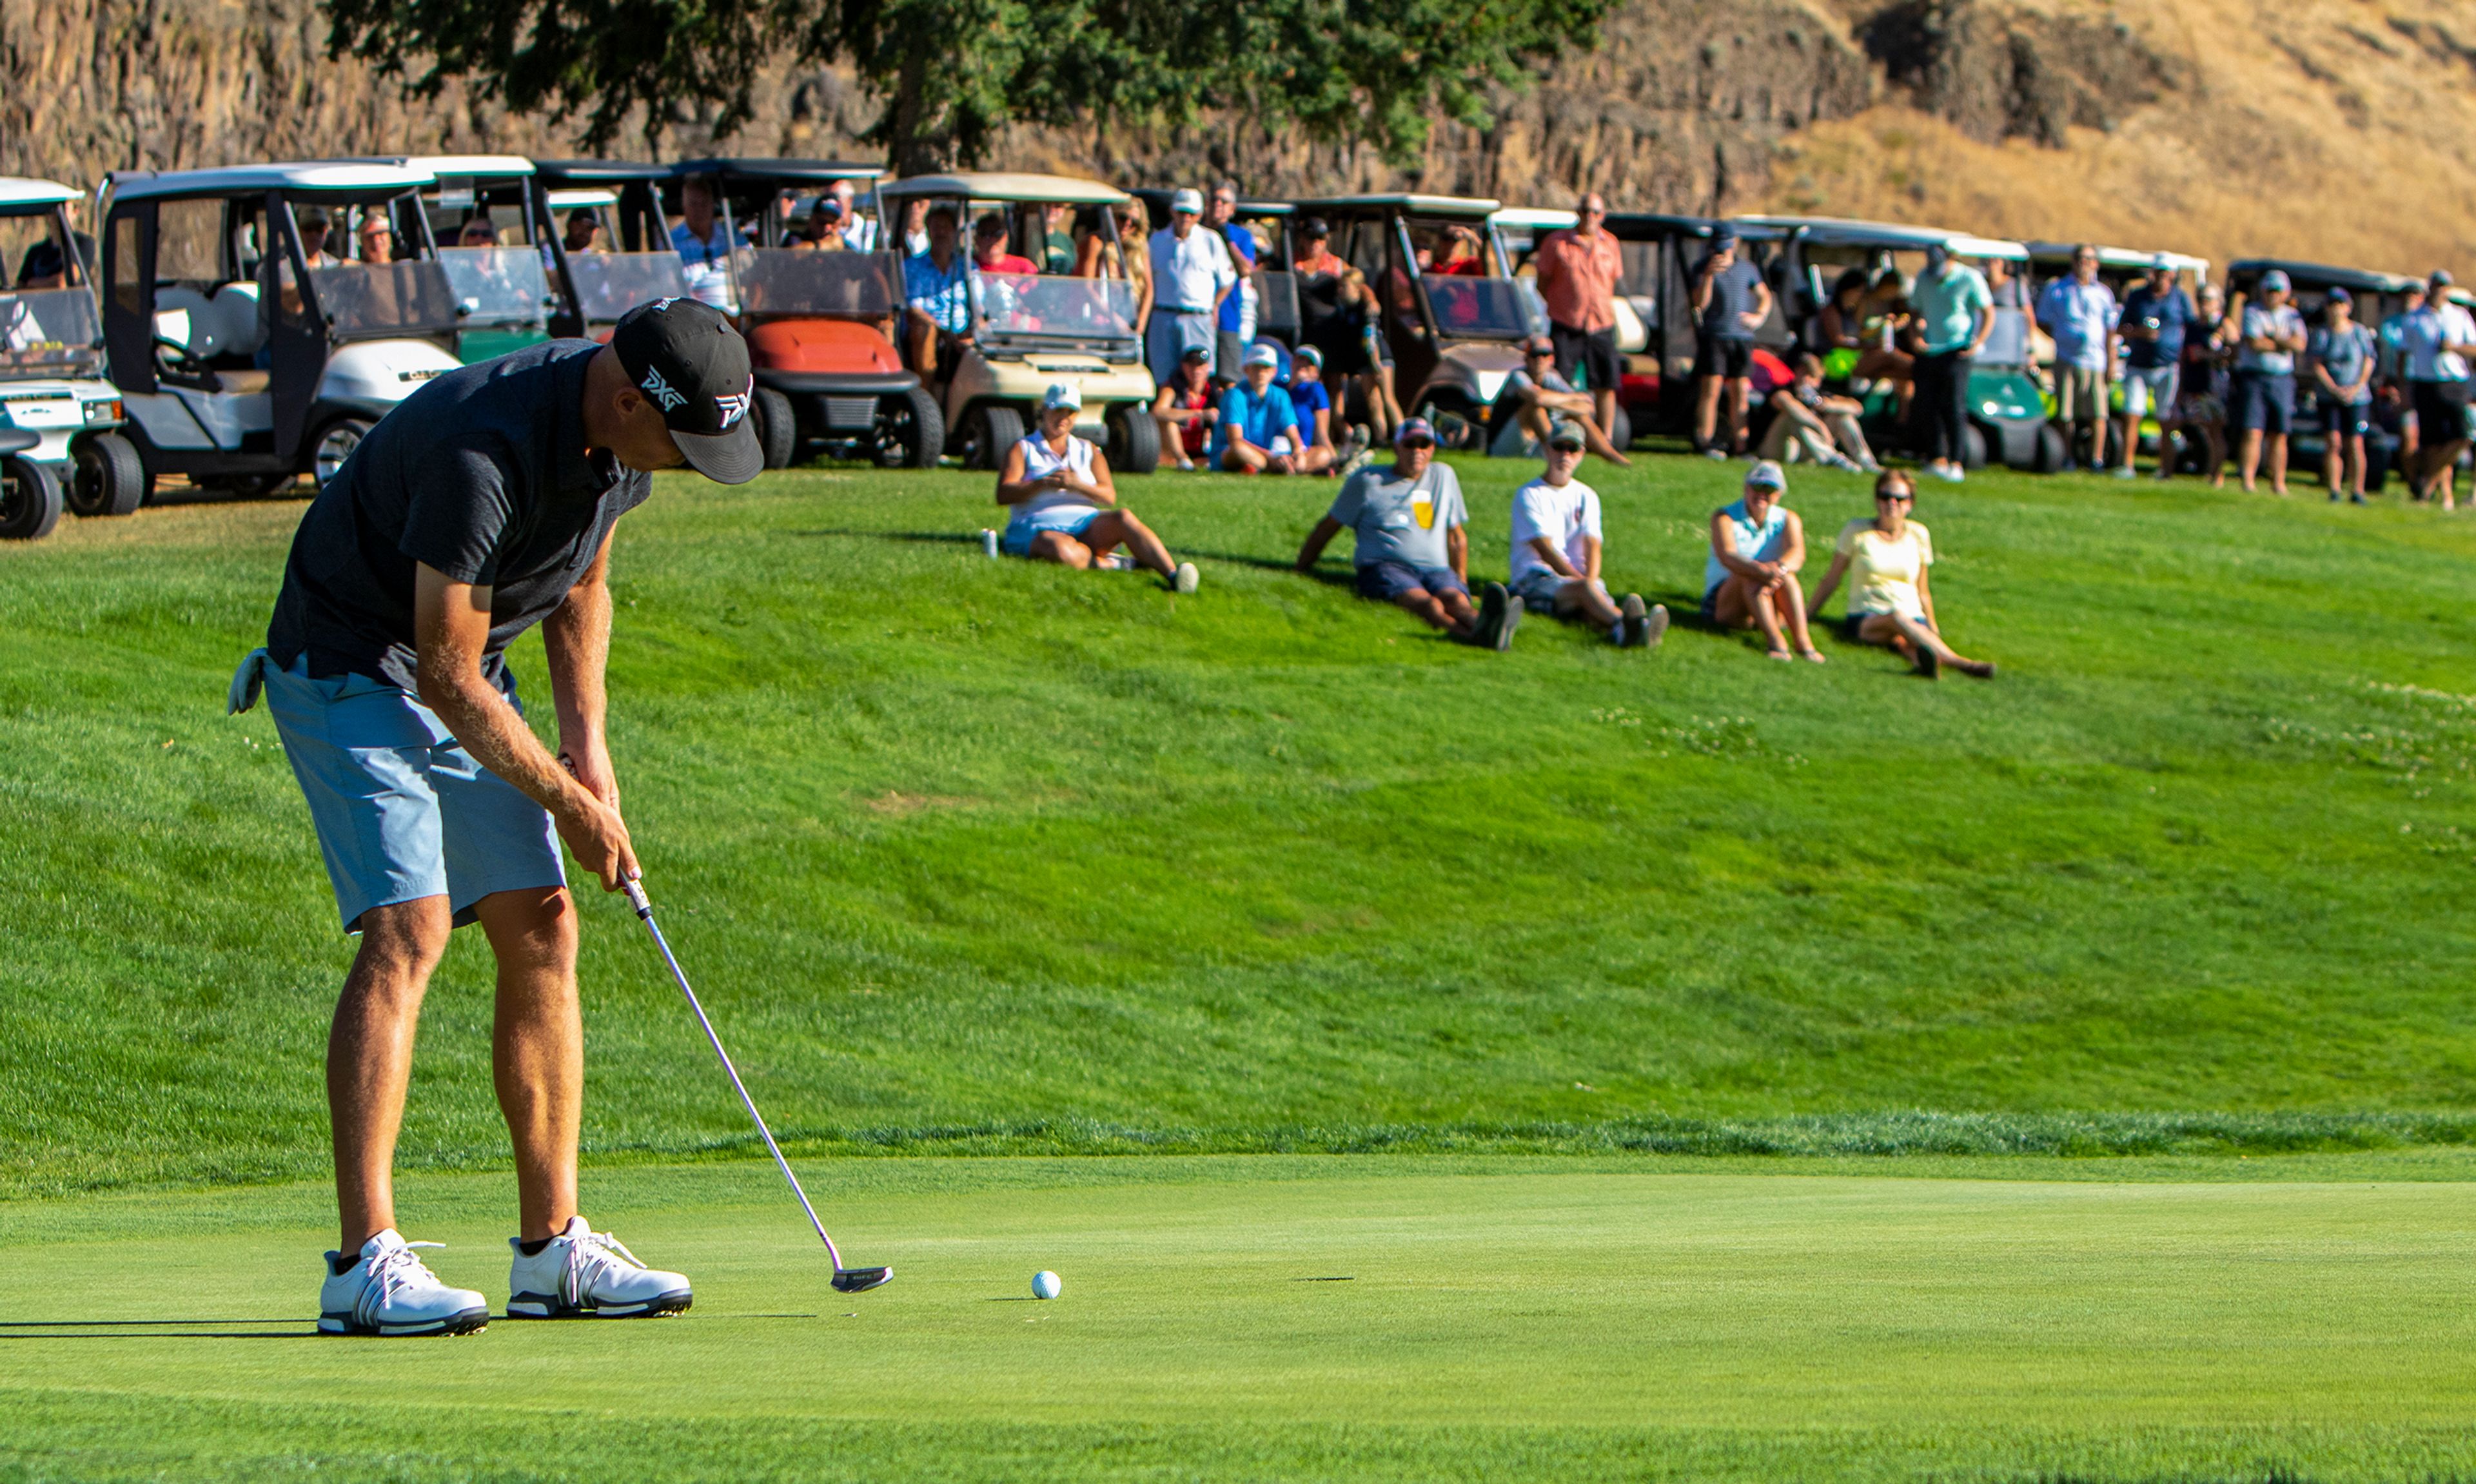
pixel 687 361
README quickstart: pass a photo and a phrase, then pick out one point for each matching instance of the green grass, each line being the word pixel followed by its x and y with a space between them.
pixel 1504 1319
pixel 979 857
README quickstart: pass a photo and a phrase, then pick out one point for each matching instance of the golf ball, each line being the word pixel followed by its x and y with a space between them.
pixel 1044 1285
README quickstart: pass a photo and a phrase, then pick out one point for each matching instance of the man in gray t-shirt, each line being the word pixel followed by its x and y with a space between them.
pixel 1407 521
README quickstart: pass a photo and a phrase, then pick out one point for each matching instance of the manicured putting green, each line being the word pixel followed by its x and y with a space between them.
pixel 1505 1318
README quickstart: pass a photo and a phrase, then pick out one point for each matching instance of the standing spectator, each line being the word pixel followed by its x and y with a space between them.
pixel 2272 336
pixel 1237 322
pixel 2341 354
pixel 2155 318
pixel 1954 313
pixel 2005 291
pixel 1749 579
pixel 703 244
pixel 1257 431
pixel 1578 269
pixel 1556 548
pixel 2393 372
pixel 937 299
pixel 2080 313
pixel 1412 549
pixel 1730 303
pixel 2435 345
pixel 1192 277
pixel 2201 383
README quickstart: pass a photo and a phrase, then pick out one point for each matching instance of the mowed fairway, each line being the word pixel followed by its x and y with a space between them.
pixel 1501 1319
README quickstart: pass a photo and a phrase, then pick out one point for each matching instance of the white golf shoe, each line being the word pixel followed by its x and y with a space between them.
pixel 584 1273
pixel 389 1291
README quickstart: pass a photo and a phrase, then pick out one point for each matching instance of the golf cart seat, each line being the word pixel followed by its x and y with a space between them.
pixel 239 329
pixel 244 381
pixel 16 441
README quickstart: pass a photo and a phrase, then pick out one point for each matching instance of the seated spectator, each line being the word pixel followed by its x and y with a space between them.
pixel 1540 393
pixel 1187 407
pixel 314 224
pixel 1854 349
pixel 1463 256
pixel 823 230
pixel 1412 549
pixel 1750 579
pixel 44 267
pixel 478 233
pixel 703 243
pixel 585 232
pixel 1257 431
pixel 1314 406
pixel 989 252
pixel 377 239
pixel 1889 603
pixel 1556 544
pixel 1065 502
pixel 1057 224
pixel 1822 428
pixel 937 299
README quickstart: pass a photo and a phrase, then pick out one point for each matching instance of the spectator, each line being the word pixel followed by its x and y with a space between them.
pixel 2201 382
pixel 1126 255
pixel 915 227
pixel 2434 345
pixel 1236 321
pixel 1823 428
pixel 1186 407
pixel 1314 406
pixel 584 232
pixel 1578 269
pixel 822 230
pixel 2393 375
pixel 377 239
pixel 1338 315
pixel 1750 579
pixel 1539 394
pixel 989 253
pixel 937 299
pixel 859 233
pixel 2271 336
pixel 1731 300
pixel 1412 549
pixel 1066 505
pixel 477 232
pixel 703 244
pixel 1464 258
pixel 1192 277
pixel 2156 316
pixel 312 224
pixel 1556 546
pixel 1257 431
pixel 1854 351
pixel 1955 313
pixel 44 267
pixel 2004 291
pixel 2342 354
pixel 2080 312
pixel 1059 251
pixel 1890 602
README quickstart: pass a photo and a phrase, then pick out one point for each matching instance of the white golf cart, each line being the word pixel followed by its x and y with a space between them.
pixel 242 365
pixel 1031 331
pixel 58 414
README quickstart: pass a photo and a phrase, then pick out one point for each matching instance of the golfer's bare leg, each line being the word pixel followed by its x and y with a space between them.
pixel 2248 457
pixel 1244 456
pixel 537 1048
pixel 1604 408
pixel 1451 612
pixel 369 1057
pixel 1121 526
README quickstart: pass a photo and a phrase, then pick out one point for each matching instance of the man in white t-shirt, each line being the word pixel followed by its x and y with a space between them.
pixel 1556 549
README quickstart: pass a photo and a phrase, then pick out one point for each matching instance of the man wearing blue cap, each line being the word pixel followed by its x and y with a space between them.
pixel 2272 336
pixel 2156 315
pixel 1730 303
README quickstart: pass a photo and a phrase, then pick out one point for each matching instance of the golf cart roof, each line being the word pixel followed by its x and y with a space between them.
pixel 18 192
pixel 1533 217
pixel 331 177
pixel 571 200
pixel 1415 205
pixel 2120 257
pixel 598 172
pixel 1006 185
pixel 2321 275
pixel 1840 232
pixel 1635 226
pixel 744 167
pixel 444 166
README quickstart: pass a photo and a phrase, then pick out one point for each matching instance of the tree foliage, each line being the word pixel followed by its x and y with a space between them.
pixel 952 73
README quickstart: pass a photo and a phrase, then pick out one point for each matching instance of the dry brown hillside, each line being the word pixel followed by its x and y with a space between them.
pixel 2333 129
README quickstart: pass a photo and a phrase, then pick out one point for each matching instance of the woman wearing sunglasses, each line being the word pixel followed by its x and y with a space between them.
pixel 1890 602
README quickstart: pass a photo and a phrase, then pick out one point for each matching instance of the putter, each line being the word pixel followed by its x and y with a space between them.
pixel 847 1281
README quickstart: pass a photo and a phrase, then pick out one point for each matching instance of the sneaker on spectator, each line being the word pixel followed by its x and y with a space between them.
pixel 1187 579
pixel 1716 453
pixel 2123 471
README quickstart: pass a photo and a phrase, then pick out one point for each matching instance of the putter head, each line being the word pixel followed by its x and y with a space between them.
pixel 859 1280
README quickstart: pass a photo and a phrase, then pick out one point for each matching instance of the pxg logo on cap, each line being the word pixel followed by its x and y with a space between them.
pixel 688 361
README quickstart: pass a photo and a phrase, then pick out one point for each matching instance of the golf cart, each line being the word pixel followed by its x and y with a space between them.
pixel 59 416
pixel 1033 329
pixel 635 262
pixel 821 326
pixel 241 366
pixel 1454 336
pixel 515 291
pixel 1659 253
pixel 2376 297
pixel 2006 408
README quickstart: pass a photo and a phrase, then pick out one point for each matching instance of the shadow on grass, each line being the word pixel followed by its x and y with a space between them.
pixel 932 537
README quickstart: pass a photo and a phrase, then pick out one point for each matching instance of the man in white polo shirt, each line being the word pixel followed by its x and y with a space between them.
pixel 1192 274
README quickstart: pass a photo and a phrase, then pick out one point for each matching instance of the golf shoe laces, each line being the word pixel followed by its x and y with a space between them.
pixel 396 1269
pixel 588 1258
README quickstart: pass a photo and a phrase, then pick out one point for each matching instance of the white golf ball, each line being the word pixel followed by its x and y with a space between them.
pixel 1044 1285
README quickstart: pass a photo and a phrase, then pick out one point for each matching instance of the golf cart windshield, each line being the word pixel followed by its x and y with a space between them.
pixel 1481 308
pixel 48 332
pixel 497 286
pixel 1032 307
pixel 785 280
pixel 608 285
pixel 364 301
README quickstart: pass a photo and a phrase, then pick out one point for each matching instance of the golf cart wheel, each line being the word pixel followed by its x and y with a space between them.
pixel 2051 452
pixel 1972 446
pixel 1134 440
pixel 910 432
pixel 988 433
pixel 1620 430
pixel 111 479
pixel 335 444
pixel 777 428
pixel 30 500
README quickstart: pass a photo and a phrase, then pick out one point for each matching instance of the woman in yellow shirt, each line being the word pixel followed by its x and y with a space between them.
pixel 1889 603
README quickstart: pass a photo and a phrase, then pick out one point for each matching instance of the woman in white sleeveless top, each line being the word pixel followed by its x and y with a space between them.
pixel 1066 505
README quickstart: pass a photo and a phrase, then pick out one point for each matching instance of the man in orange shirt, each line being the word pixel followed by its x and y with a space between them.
pixel 1578 269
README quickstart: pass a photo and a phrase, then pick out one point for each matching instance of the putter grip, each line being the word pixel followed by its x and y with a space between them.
pixel 637 898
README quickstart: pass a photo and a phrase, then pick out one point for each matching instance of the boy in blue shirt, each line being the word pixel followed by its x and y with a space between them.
pixel 1257 431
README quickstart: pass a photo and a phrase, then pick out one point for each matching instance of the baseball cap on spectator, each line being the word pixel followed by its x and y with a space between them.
pixel 2441 276
pixel 1260 354
pixel 1565 433
pixel 1411 427
pixel 1308 356
pixel 2162 263
pixel 2275 281
pixel 1765 475
pixel 2341 296
pixel 1195 352
pixel 688 361
pixel 1314 226
pixel 1723 235
pixel 1062 394
pixel 1187 199
pixel 1539 345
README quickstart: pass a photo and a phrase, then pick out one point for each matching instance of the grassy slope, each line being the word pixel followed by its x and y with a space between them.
pixel 1506 1319
pixel 972 850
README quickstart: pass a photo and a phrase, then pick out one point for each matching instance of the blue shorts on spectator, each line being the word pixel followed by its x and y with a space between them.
pixel 2346 419
pixel 2264 401
pixel 1386 582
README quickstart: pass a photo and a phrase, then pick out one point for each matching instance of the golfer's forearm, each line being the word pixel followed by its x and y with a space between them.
pixel 489 728
pixel 576 639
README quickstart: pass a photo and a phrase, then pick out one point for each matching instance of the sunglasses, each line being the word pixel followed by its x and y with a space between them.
pixel 1896 494
pixel 1418 443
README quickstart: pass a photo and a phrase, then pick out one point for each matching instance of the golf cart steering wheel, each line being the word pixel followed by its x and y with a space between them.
pixel 182 361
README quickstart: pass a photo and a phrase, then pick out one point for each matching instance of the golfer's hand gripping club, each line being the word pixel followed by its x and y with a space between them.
pixel 848 1280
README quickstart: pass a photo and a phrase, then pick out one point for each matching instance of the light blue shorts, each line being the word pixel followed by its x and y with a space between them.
pixel 1020 532
pixel 402 811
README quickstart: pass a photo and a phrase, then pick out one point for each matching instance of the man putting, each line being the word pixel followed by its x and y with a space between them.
pixel 482 505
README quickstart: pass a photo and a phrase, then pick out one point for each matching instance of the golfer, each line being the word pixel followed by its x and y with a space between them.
pixel 482 505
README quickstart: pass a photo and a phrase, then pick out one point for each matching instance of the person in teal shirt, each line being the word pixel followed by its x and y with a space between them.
pixel 1955 309
pixel 1257 431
